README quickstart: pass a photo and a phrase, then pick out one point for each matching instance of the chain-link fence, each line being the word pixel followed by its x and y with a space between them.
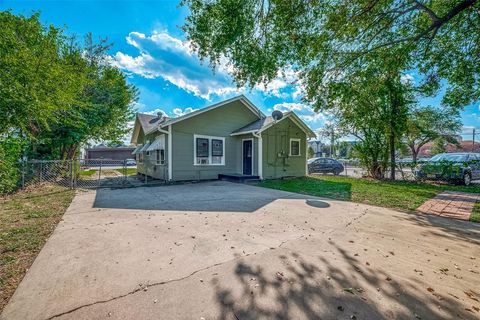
pixel 353 168
pixel 91 173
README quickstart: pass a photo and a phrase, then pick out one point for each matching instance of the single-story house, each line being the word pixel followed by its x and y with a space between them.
pixel 232 137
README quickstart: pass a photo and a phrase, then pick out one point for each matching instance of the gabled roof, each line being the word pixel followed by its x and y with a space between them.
pixel 254 126
pixel 263 124
pixel 240 98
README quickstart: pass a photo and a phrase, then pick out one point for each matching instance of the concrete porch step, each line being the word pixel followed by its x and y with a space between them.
pixel 236 177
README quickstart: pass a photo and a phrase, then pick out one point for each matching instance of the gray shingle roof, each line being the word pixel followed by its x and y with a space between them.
pixel 254 126
pixel 148 121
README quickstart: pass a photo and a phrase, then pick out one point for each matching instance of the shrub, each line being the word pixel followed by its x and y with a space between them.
pixel 10 153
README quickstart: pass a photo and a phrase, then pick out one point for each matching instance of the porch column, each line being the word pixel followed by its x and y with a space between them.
pixel 260 156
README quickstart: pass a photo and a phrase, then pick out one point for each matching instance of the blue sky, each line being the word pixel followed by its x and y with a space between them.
pixel 150 47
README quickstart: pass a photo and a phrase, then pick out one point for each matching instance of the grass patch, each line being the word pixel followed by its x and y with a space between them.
pixel 88 173
pixel 475 217
pixel 27 219
pixel 127 171
pixel 390 194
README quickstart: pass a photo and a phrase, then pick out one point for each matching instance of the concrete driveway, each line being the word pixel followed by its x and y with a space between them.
pixel 219 250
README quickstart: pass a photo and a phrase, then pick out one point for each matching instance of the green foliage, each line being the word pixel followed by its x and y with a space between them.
pixel 439 146
pixel 56 94
pixel 310 151
pixel 426 124
pixel 10 152
pixel 321 39
pixel 349 56
pixel 373 106
pixel 36 78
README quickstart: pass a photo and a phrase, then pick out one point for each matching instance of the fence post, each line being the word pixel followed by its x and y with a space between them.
pixel 100 172
pixel 125 170
pixel 41 171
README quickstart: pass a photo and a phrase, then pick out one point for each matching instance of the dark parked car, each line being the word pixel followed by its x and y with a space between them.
pixel 451 167
pixel 324 165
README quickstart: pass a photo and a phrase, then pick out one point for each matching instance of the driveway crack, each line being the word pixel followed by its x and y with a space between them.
pixel 136 290
pixel 158 283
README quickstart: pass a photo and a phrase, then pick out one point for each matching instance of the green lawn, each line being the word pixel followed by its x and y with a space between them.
pixel 88 173
pixel 128 171
pixel 27 219
pixel 390 194
pixel 475 217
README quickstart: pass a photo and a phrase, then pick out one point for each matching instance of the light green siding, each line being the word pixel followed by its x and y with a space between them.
pixel 219 122
pixel 149 164
pixel 277 161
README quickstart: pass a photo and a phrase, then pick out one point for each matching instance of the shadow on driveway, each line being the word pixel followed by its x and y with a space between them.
pixel 216 196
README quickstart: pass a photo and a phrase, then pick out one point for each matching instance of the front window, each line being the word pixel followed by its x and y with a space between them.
pixel 294 147
pixel 160 156
pixel 209 150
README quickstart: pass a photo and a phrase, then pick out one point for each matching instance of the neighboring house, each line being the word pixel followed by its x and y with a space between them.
pixel 463 146
pixel 104 152
pixel 230 137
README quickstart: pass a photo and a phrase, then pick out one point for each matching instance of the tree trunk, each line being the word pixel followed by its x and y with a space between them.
pixel 414 155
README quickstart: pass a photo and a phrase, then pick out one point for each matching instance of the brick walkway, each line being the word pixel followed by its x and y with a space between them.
pixel 457 205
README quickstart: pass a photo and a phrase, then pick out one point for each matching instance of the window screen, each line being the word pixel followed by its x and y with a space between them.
pixel 202 147
pixel 217 147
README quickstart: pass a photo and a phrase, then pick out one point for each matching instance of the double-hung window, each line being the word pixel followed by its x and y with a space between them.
pixel 294 147
pixel 160 156
pixel 209 150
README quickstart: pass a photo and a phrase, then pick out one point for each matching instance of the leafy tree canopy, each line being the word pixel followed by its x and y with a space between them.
pixel 426 124
pixel 438 38
pixel 56 94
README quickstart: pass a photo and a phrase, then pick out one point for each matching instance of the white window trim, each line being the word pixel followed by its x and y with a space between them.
pixel 253 156
pixel 290 151
pixel 195 136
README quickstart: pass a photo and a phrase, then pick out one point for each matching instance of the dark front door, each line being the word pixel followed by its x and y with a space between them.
pixel 247 157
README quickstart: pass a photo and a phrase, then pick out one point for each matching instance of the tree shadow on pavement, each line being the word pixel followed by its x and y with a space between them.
pixel 444 227
pixel 341 288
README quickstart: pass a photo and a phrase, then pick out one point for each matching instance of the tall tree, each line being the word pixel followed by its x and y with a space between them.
pixel 35 79
pixel 102 109
pixel 438 38
pixel 426 124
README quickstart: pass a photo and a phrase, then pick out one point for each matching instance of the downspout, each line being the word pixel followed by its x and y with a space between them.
pixel 170 173
pixel 260 154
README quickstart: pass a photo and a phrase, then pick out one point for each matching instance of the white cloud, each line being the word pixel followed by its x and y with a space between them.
pixel 304 111
pixel 179 112
pixel 156 111
pixel 315 117
pixel 291 106
pixel 407 78
pixel 163 56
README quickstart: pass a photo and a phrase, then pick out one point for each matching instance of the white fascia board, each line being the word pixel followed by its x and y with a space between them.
pixel 243 132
